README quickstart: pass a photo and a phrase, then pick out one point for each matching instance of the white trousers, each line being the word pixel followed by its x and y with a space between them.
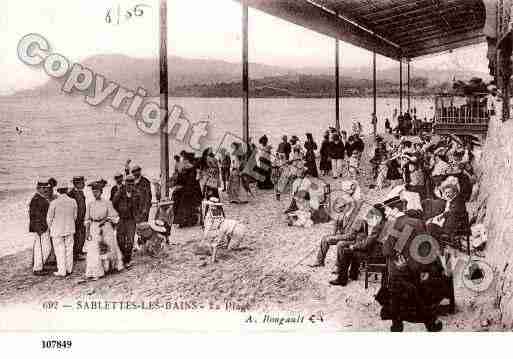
pixel 63 247
pixel 41 250
pixel 337 167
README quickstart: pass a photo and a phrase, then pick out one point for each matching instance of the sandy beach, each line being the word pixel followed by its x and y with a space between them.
pixel 270 272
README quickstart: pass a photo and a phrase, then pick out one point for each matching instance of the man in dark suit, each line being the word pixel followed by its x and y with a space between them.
pixel 407 274
pixel 118 177
pixel 127 202
pixel 285 147
pixel 143 187
pixel 361 241
pixel 38 227
pixel 77 193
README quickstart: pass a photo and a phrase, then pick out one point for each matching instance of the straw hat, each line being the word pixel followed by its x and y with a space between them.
pixel 450 182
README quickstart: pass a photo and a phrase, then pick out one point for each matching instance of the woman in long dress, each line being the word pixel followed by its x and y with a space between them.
pixel 325 164
pixel 99 219
pixel 210 174
pixel 264 163
pixel 311 147
pixel 187 196
pixel 236 191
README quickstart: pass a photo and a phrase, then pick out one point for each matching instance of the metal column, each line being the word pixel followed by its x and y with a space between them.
pixel 245 73
pixel 408 88
pixel 374 107
pixel 164 106
pixel 401 86
pixel 337 85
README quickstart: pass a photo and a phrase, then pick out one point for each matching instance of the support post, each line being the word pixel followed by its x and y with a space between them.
pixel 374 107
pixel 408 88
pixel 245 74
pixel 164 105
pixel 337 85
pixel 400 86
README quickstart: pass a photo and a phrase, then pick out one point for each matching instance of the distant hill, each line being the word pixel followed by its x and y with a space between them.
pixel 193 77
pixel 435 75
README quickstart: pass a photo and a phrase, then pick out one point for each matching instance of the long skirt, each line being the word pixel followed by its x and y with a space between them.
pixel 236 192
pixel 105 234
pixel 187 202
pixel 311 164
pixel 325 164
pixel 288 174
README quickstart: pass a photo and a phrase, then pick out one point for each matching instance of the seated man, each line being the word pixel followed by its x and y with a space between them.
pixel 361 241
pixel 412 283
pixel 347 205
pixel 454 219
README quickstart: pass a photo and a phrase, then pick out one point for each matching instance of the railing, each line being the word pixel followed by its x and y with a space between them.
pixel 464 116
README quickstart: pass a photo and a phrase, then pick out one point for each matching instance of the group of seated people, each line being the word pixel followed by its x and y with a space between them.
pixel 409 281
pixel 307 206
pixel 423 166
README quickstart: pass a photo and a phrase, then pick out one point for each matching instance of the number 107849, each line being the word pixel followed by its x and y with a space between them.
pixel 56 344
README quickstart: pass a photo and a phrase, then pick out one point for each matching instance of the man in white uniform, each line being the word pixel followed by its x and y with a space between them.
pixel 61 217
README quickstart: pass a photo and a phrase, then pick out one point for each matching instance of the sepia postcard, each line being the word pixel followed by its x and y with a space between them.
pixel 255 166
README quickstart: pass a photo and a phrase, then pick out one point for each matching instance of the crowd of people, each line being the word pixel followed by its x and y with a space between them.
pixel 101 232
pixel 408 124
pixel 429 182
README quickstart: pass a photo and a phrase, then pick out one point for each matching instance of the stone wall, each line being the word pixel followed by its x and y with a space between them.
pixel 496 192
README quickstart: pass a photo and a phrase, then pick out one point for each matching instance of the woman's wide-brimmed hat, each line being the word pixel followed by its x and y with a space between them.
pixel 98 185
pixel 343 203
pixel 189 156
pixel 450 182
pixel 214 201
pixel 144 229
pixel 440 151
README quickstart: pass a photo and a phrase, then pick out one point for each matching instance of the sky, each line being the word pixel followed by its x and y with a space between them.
pixel 206 29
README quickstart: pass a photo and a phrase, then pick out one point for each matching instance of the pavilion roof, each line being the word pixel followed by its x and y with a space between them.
pixel 393 28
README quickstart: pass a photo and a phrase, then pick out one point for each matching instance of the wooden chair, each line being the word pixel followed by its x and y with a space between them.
pixel 374 264
pixel 326 201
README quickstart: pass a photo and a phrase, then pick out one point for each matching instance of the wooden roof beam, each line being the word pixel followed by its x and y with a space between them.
pixel 308 15
pixel 420 20
pixel 386 17
pixel 420 35
pixel 448 43
pixel 434 36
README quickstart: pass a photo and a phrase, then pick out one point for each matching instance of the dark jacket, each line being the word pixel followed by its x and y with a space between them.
pixel 143 186
pixel 456 219
pixel 337 150
pixel 368 242
pixel 324 152
pixel 285 147
pixel 79 197
pixel 358 145
pixel 128 208
pixel 113 191
pixel 413 219
pixel 363 240
pixel 38 209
